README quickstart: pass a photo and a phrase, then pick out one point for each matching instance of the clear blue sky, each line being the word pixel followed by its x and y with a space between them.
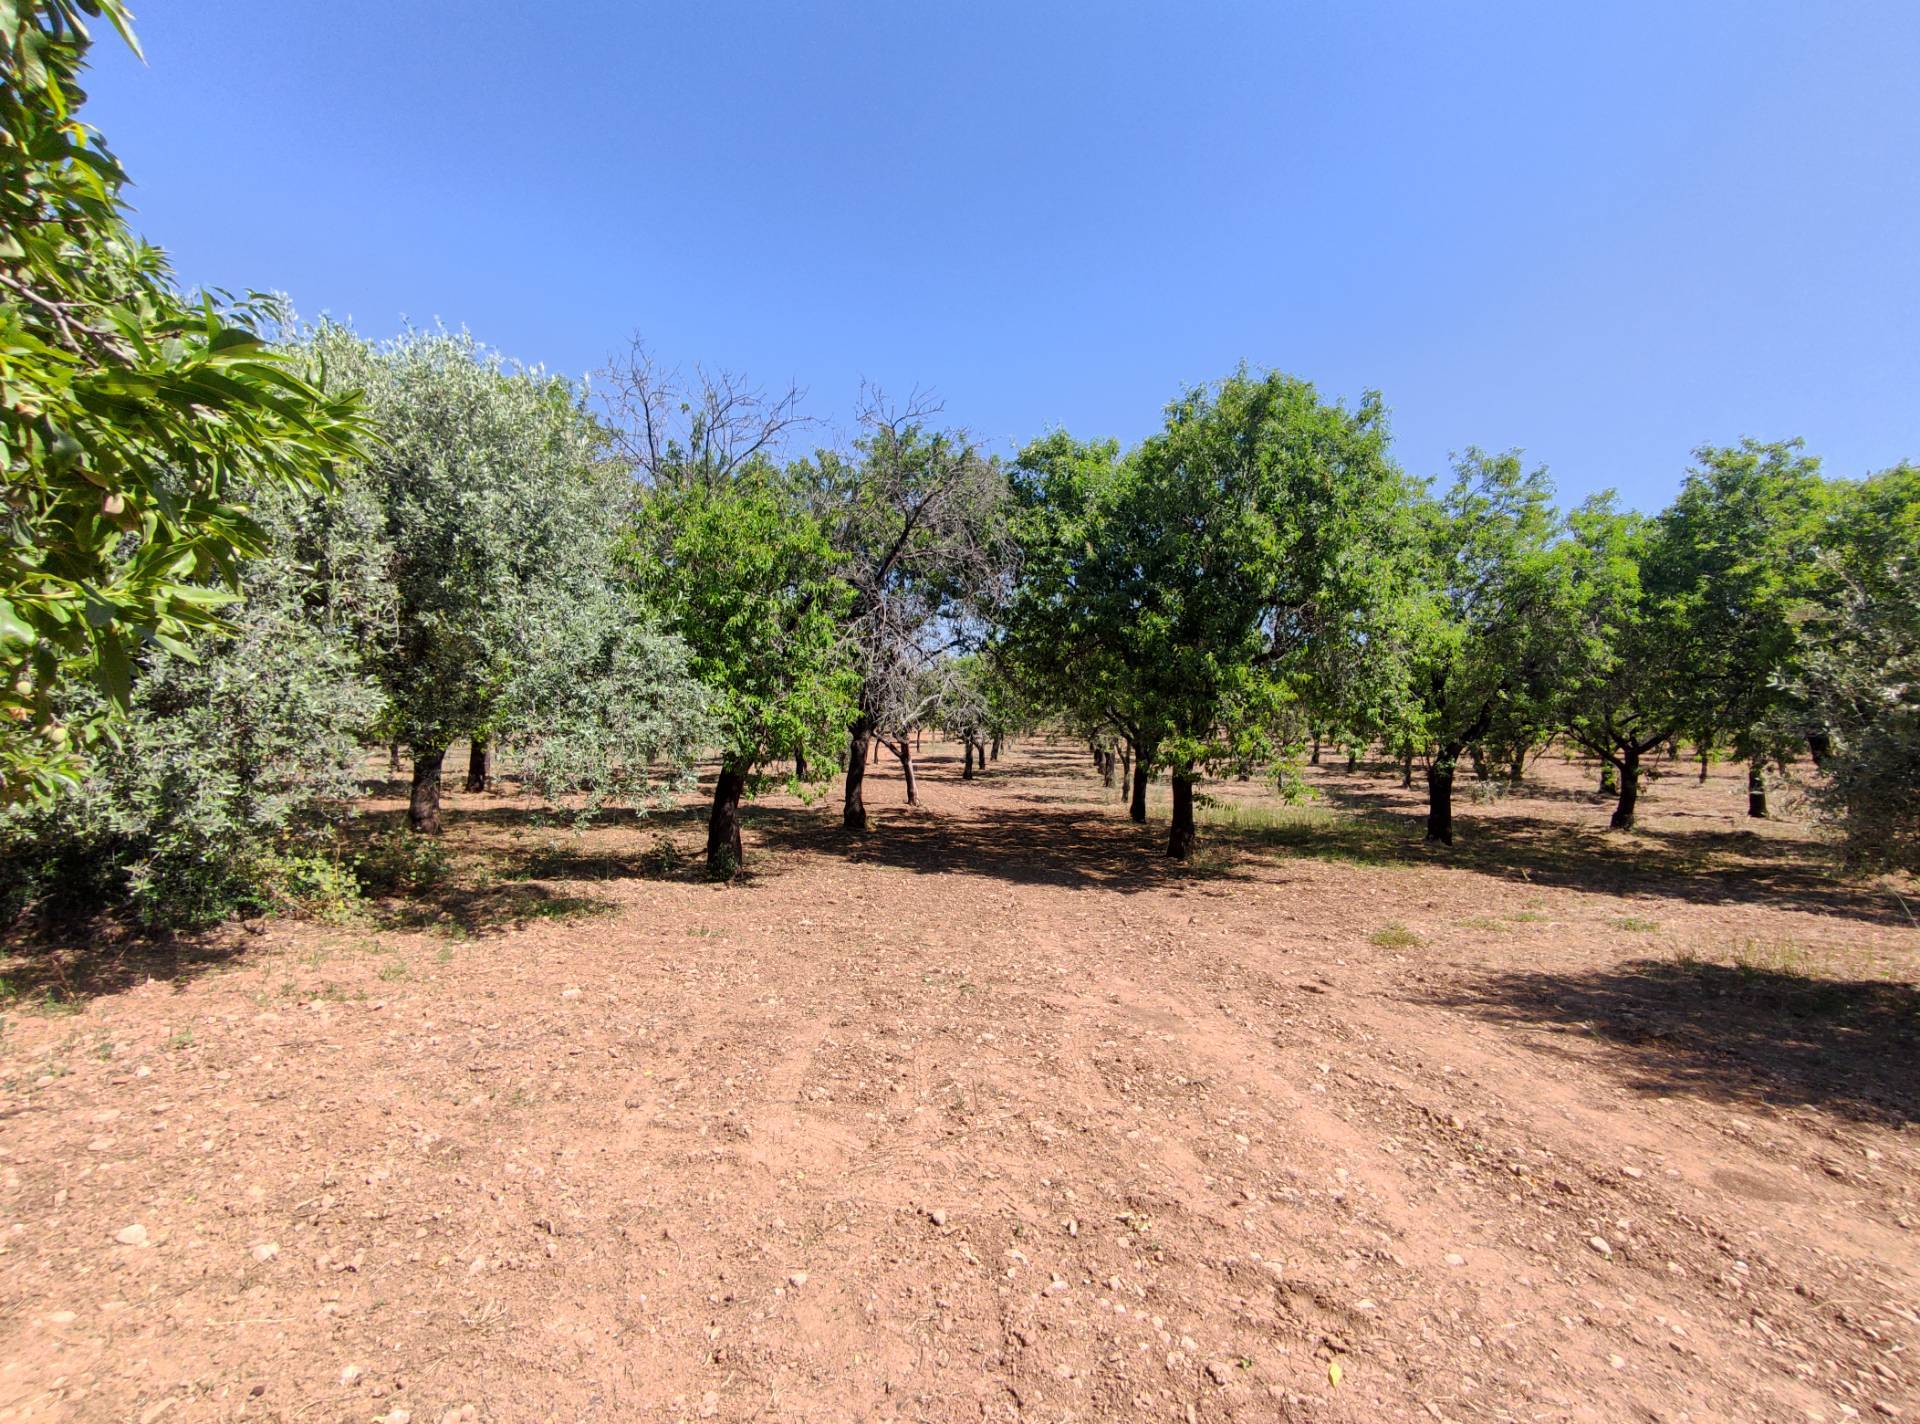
pixel 1603 233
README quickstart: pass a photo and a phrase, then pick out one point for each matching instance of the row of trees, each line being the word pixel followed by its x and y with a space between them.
pixel 239 552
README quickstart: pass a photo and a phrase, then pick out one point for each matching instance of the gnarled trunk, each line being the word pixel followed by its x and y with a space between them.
pixel 423 806
pixel 966 771
pixel 1137 801
pixel 854 818
pixel 905 752
pixel 1314 760
pixel 479 764
pixel 1108 764
pixel 724 853
pixel 799 764
pixel 1629 790
pixel 1180 835
pixel 1756 790
pixel 1440 801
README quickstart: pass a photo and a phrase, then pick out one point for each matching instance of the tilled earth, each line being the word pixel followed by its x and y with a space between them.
pixel 993 1115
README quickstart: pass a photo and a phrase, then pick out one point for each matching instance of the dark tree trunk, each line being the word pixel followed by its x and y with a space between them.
pixel 1629 790
pixel 1108 764
pixel 905 752
pixel 1673 750
pixel 1609 779
pixel 995 750
pixel 1314 760
pixel 1406 771
pixel 423 807
pixel 724 854
pixel 1703 768
pixel 966 772
pixel 1440 801
pixel 1479 755
pixel 1353 760
pixel 1756 790
pixel 393 756
pixel 1517 772
pixel 1819 747
pixel 1180 835
pixel 876 754
pixel 479 764
pixel 1137 802
pixel 855 816
pixel 1126 767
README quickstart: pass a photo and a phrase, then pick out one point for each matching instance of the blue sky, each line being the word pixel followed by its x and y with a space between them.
pixel 1604 234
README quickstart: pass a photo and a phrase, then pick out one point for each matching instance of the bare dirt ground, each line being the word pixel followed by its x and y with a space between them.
pixel 993 1115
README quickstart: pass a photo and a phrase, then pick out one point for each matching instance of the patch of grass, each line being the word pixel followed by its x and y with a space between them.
pixel 395 969
pixel 1490 923
pixel 1634 924
pixel 1530 917
pixel 180 1038
pixel 1393 936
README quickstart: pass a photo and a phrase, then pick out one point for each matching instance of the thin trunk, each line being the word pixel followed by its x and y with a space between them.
pixel 1353 759
pixel 905 752
pixel 1180 835
pixel 393 756
pixel 1406 771
pixel 1479 755
pixel 1126 767
pixel 1440 801
pixel 1703 768
pixel 1518 770
pixel 479 764
pixel 1137 803
pixel 1314 760
pixel 724 854
pixel 966 773
pixel 855 816
pixel 799 764
pixel 996 750
pixel 423 807
pixel 1629 790
pixel 876 754
pixel 1673 750
pixel 1756 790
pixel 1108 763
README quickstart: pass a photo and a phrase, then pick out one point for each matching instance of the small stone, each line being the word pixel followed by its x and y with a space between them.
pixel 569 993
pixel 1454 1258
pixel 265 1251
pixel 257 1390
pixel 709 1404
pixel 797 1279
pixel 1619 1362
pixel 1633 1172
pixel 1599 1243
pixel 350 1375
pixel 135 1235
pixel 396 1416
pixel 61 1317
pixel 1220 1371
pixel 937 1217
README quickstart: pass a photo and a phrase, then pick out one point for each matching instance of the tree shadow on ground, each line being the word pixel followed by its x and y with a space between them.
pixel 60 972
pixel 1728 1034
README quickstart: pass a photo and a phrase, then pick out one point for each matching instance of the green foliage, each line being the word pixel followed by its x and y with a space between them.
pixel 219 789
pixel 744 574
pixel 132 418
pixel 503 514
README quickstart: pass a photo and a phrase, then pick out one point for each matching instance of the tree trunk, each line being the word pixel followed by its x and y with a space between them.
pixel 1756 790
pixel 1819 747
pixel 966 772
pixel 393 756
pixel 1609 779
pixel 1703 768
pixel 855 816
pixel 799 764
pixel 995 749
pixel 1314 760
pixel 1353 760
pixel 1180 836
pixel 1137 802
pixel 724 854
pixel 905 752
pixel 1126 767
pixel 1406 771
pixel 1108 761
pixel 1629 790
pixel 1440 801
pixel 423 807
pixel 479 764
pixel 1518 770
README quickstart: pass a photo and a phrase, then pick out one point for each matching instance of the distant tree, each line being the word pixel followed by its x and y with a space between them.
pixel 1487 621
pixel 1191 581
pixel 918 519
pixel 132 418
pixel 512 622
pixel 1634 650
pixel 1736 548
pixel 741 570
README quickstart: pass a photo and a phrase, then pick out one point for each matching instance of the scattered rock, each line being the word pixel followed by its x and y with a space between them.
pixel 1220 1371
pixel 797 1279
pixel 569 993
pixel 135 1235
pixel 265 1251
pixel 1454 1258
pixel 937 1217
pixel 351 1374
pixel 1599 1243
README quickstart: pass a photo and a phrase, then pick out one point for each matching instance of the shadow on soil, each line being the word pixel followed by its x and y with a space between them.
pixel 1729 1034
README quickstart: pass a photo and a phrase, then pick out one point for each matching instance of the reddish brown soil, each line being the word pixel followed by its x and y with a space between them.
pixel 992 1114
